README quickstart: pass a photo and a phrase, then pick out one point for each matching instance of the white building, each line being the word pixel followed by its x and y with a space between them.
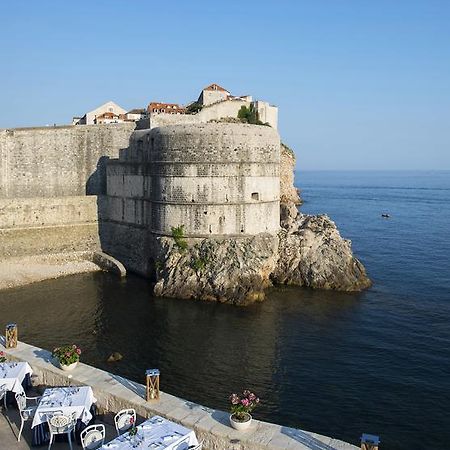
pixel 136 114
pixel 90 117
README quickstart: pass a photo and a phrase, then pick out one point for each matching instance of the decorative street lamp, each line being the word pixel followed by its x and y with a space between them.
pixel 369 442
pixel 11 335
pixel 152 378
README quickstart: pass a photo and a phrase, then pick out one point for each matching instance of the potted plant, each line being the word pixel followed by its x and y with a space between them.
pixel 2 357
pixel 67 356
pixel 241 407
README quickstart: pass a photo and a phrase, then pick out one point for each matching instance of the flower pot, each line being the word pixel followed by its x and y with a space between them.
pixel 238 425
pixel 69 367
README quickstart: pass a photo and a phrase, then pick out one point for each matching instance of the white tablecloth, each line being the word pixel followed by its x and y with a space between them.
pixel 77 399
pixel 12 375
pixel 156 433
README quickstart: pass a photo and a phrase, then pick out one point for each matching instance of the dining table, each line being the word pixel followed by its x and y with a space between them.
pixel 156 433
pixel 15 378
pixel 66 400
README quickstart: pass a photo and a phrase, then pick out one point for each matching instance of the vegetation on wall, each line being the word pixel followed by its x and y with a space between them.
pixel 178 236
pixel 194 108
pixel 250 115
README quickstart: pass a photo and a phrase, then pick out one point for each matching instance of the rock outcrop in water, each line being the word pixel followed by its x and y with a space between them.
pixel 308 251
pixel 312 253
pixel 229 270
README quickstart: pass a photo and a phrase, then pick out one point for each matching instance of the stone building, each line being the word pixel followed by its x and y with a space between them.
pixel 167 108
pixel 213 94
pixel 216 104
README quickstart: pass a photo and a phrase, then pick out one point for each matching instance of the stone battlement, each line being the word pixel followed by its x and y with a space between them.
pixel 214 179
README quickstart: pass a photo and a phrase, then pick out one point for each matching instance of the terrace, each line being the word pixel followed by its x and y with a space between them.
pixel 114 393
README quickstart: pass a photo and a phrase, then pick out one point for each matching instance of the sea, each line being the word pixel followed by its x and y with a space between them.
pixel 333 363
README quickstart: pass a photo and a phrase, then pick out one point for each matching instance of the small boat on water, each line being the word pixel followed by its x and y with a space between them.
pixel 386 216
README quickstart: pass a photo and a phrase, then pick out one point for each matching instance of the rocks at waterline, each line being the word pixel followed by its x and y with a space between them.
pixel 312 253
pixel 226 270
pixel 114 357
pixel 308 251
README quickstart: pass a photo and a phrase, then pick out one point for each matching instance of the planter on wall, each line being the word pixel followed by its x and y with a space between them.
pixel 69 367
pixel 241 426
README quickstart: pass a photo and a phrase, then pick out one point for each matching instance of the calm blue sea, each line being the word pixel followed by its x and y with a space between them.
pixel 337 364
pixel 395 355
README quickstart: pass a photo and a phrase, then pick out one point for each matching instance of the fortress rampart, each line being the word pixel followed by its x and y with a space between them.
pixel 214 179
pixel 49 181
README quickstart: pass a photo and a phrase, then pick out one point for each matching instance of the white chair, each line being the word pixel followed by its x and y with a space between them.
pixel 3 392
pixel 26 412
pixel 93 437
pixel 124 420
pixel 59 423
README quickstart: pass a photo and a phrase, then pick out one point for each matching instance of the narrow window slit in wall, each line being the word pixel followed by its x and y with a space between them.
pixel 255 196
pixel 210 228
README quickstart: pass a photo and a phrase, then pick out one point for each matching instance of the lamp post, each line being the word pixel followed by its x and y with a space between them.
pixel 369 442
pixel 152 383
pixel 11 335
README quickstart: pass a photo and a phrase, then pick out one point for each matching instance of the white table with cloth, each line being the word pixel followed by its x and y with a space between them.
pixel 156 433
pixel 13 374
pixel 68 400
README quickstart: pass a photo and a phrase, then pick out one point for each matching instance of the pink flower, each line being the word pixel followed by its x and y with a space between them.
pixel 245 402
pixel 234 399
pixel 78 351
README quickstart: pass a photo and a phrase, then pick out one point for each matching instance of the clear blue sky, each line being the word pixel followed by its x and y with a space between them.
pixel 360 84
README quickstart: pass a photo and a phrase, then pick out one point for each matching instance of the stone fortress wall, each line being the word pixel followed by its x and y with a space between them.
pixel 45 176
pixel 214 179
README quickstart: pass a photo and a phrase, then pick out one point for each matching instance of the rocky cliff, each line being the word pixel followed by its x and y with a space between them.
pixel 288 192
pixel 225 270
pixel 312 253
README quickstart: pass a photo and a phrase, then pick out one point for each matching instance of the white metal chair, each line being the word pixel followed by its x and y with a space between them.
pixel 3 392
pixel 26 412
pixel 124 420
pixel 59 423
pixel 93 437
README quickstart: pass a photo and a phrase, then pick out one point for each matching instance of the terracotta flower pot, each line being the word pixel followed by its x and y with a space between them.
pixel 238 425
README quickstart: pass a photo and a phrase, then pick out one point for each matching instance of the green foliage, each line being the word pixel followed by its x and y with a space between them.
pixel 250 115
pixel 199 264
pixel 194 108
pixel 178 235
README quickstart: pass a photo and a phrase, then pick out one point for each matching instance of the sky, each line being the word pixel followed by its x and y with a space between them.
pixel 360 84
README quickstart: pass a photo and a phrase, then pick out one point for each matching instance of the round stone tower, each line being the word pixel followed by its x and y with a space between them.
pixel 214 179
